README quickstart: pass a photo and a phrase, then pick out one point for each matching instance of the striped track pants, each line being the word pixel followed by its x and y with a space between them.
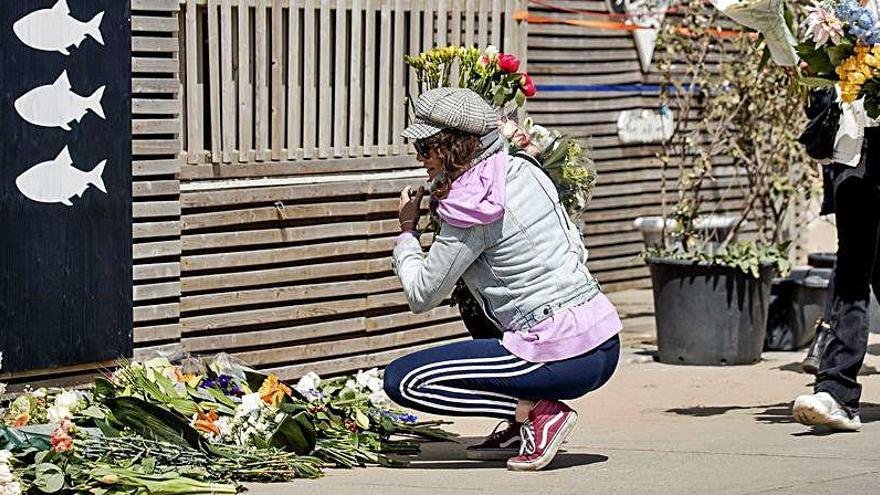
pixel 482 378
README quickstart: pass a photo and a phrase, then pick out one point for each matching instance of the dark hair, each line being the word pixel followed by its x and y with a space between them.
pixel 456 150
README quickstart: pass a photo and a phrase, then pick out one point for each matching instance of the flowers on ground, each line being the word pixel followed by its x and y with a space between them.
pixel 61 439
pixel 9 484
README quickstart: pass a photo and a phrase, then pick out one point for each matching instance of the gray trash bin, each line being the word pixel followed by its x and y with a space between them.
pixel 796 303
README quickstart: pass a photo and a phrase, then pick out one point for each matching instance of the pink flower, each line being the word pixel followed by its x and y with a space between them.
pixel 508 63
pixel 521 138
pixel 823 25
pixel 508 128
pixel 528 86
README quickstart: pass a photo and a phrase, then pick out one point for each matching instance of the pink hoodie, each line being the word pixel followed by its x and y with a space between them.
pixel 478 197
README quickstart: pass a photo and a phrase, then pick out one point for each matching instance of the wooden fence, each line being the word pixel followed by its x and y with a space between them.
pixel 268 163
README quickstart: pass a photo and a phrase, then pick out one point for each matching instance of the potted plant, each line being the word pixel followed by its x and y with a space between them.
pixel 734 150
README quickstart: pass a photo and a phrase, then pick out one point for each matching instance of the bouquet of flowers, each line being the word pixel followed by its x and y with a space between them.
pixel 840 44
pixel 200 426
pixel 491 74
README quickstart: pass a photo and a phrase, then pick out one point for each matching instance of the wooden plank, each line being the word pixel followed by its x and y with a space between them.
pixel 142 189
pixel 279 295
pixel 370 75
pixel 399 77
pixel 237 260
pixel 414 48
pixel 298 168
pixel 350 363
pixel 278 111
pixel 149 106
pixel 155 65
pixel 156 147
pixel 386 322
pixel 163 290
pixel 214 83
pixel 159 249
pixel 234 319
pixel 245 85
pixel 325 88
pixel 261 83
pixel 483 24
pixel 155 271
pixel 147 230
pixel 384 79
pixel 156 312
pixel 152 44
pixel 309 76
pixel 229 122
pixel 340 85
pixel 253 338
pixel 145 168
pixel 428 25
pixel 355 143
pixel 163 5
pixel 194 106
pixel 272 214
pixel 154 24
pixel 143 127
pixel 145 85
pixel 156 333
pixel 272 276
pixel 496 35
pixel 469 17
pixel 351 345
pixel 154 209
pixel 442 22
pixel 294 86
pixel 455 24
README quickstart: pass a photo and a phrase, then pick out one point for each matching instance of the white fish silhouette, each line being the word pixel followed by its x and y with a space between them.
pixel 56 181
pixel 53 30
pixel 56 105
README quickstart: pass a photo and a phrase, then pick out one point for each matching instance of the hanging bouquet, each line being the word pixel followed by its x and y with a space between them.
pixel 841 44
pixel 201 426
pixel 495 77
pixel 489 73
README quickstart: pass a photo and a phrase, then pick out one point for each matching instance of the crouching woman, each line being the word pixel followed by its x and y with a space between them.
pixel 505 232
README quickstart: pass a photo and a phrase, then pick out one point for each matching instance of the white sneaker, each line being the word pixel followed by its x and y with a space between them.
pixel 822 409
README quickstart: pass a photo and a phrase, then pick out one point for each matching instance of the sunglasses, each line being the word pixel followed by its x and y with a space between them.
pixel 423 147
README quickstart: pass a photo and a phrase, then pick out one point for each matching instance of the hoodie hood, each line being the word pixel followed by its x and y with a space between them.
pixel 478 196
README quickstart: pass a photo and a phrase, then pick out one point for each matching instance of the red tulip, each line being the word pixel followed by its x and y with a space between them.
pixel 508 63
pixel 528 86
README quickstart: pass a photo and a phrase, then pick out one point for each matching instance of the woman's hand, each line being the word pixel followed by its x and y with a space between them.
pixel 409 210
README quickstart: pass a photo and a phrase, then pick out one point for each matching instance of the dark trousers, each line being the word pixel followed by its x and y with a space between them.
pixel 857 208
pixel 482 378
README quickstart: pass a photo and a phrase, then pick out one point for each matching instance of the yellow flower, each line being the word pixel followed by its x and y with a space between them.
pixel 273 391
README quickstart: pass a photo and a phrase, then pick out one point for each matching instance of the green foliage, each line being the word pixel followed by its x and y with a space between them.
pixel 747 257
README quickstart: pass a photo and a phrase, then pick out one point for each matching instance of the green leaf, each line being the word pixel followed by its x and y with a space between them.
pixel 765 57
pixel 93 412
pixel 153 422
pixel 520 98
pixel 361 419
pixel 48 478
pixel 294 434
pixel 838 53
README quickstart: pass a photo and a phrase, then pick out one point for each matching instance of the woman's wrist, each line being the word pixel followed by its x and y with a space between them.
pixel 408 226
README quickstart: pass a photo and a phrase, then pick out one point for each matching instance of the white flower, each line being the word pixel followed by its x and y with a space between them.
pixel 491 52
pixel 13 488
pixel 308 383
pixel 369 380
pixel 57 414
pixel 2 388
pixel 352 385
pixel 39 393
pixel 249 403
pixel 5 456
pixel 68 399
pixel 379 399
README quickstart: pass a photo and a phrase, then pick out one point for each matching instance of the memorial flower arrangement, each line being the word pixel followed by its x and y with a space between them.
pixel 199 426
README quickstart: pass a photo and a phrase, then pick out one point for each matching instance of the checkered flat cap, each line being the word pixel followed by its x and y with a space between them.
pixel 451 108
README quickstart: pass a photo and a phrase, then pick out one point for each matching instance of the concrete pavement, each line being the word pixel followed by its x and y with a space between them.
pixel 660 429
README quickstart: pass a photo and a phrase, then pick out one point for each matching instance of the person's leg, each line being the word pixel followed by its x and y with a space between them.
pixel 823 332
pixel 857 226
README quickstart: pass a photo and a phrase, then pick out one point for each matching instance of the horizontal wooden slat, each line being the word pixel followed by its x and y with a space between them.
pixel 156 312
pixel 154 24
pixel 154 209
pixel 147 230
pixel 153 271
pixel 162 290
pixel 156 333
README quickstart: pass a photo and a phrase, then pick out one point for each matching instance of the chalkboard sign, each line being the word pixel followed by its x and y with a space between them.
pixel 65 182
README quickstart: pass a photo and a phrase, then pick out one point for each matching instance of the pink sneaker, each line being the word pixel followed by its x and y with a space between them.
pixel 549 424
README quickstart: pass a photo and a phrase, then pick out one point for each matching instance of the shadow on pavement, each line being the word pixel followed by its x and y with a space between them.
pixel 795 367
pixel 562 461
pixel 769 413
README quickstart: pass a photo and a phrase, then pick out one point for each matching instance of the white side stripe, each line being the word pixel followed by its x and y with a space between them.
pixel 456 390
pixel 547 426
pixel 508 374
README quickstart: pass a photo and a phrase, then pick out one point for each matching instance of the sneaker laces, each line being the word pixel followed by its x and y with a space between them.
pixel 527 432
